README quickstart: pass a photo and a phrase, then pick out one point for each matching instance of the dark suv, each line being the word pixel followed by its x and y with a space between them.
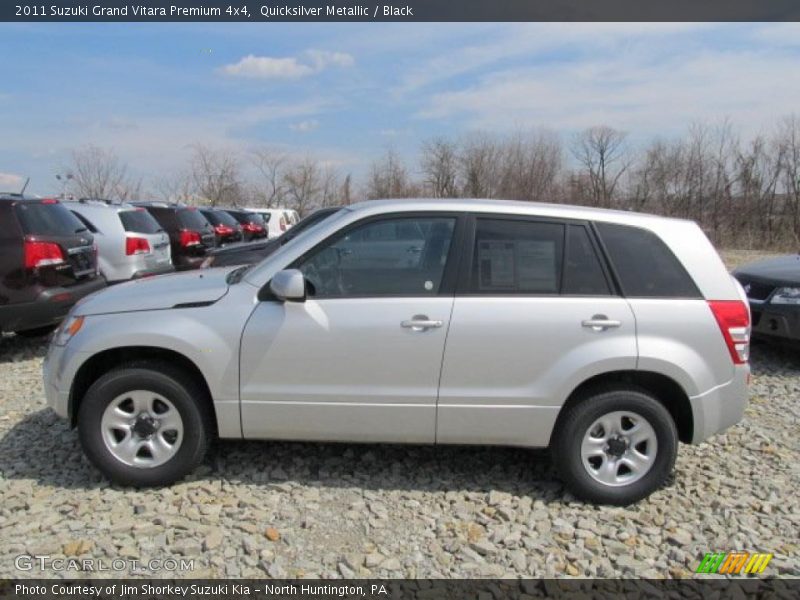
pixel 253 226
pixel 47 262
pixel 226 228
pixel 190 233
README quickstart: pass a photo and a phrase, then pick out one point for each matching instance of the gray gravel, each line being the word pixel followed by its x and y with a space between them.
pixel 315 510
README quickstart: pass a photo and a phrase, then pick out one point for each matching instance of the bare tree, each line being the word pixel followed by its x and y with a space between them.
pixel 99 173
pixel 268 190
pixel 530 164
pixel 789 139
pixel 174 187
pixel 215 176
pixel 601 153
pixel 439 165
pixel 303 184
pixel 388 178
pixel 479 165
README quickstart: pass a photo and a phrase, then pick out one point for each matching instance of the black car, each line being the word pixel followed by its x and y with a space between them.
pixel 48 261
pixel 253 252
pixel 773 290
pixel 227 229
pixel 190 233
pixel 253 226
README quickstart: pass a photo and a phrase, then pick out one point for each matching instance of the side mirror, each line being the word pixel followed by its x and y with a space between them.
pixel 289 285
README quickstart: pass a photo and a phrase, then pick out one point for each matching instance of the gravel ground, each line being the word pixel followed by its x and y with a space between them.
pixel 316 510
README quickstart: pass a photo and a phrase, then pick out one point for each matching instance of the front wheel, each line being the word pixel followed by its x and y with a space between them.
pixel 616 446
pixel 145 425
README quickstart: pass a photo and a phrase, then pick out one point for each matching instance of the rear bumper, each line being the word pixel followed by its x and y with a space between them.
pixel 49 308
pixel 721 407
pixel 155 271
pixel 776 321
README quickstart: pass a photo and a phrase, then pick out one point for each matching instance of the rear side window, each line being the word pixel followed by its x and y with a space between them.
pixel 583 275
pixel 139 221
pixel 192 219
pixel 86 223
pixel 517 257
pixel 47 218
pixel 646 267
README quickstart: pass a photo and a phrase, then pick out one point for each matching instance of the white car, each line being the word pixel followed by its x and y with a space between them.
pixel 278 220
pixel 605 336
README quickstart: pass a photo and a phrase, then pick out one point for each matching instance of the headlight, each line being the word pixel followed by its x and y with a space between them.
pixel 68 328
pixel 786 295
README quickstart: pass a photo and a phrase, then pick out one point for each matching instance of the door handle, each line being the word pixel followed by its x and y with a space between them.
pixel 600 323
pixel 420 323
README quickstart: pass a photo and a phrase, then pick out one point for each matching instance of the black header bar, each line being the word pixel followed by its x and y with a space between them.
pixel 400 11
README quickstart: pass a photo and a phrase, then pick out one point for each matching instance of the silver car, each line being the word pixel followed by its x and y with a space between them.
pixel 606 336
pixel 130 242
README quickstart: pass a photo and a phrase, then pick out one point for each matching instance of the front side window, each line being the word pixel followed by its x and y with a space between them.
pixel 388 257
pixel 516 257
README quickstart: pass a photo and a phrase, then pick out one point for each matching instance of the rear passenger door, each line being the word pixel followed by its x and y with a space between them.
pixel 535 314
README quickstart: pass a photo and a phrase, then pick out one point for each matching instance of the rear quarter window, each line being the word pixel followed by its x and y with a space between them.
pixel 139 221
pixel 39 218
pixel 645 266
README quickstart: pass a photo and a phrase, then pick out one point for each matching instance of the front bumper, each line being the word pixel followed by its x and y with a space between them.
pixel 776 321
pixel 53 375
pixel 49 308
pixel 722 406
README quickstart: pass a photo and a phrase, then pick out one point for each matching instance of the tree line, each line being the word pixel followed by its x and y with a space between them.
pixel 744 192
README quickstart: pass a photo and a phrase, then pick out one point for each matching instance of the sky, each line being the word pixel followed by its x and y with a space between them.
pixel 345 92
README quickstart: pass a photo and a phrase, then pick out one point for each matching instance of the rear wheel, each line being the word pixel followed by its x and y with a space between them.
pixel 145 425
pixel 616 446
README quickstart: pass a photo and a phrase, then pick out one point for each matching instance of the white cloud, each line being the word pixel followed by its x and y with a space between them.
pixel 267 67
pixel 304 126
pixel 632 90
pixel 10 182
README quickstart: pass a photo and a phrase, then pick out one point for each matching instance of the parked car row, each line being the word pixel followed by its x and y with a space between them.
pixel 53 252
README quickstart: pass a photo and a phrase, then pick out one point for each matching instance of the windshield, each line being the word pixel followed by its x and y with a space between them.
pixel 47 218
pixel 220 217
pixel 191 218
pixel 139 221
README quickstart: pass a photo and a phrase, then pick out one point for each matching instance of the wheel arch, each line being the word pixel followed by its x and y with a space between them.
pixel 665 389
pixel 102 362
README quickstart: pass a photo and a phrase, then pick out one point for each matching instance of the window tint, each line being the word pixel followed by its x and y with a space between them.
pixel 512 256
pixel 645 266
pixel 583 274
pixel 376 259
pixel 47 218
pixel 220 217
pixel 191 218
pixel 139 221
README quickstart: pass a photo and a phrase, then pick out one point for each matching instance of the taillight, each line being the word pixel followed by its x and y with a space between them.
pixel 223 229
pixel 252 227
pixel 733 318
pixel 134 245
pixel 283 224
pixel 42 254
pixel 189 238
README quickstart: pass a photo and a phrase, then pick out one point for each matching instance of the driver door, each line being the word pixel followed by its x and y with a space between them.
pixel 360 359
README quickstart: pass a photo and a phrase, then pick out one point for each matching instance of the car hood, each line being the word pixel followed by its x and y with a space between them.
pixel 783 269
pixel 154 293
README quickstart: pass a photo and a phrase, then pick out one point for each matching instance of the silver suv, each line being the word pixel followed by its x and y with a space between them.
pixel 130 242
pixel 605 336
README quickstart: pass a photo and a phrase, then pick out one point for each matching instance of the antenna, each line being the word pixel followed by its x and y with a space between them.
pixel 24 187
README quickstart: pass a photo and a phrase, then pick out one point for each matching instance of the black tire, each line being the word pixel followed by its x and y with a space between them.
pixel 576 421
pixel 37 332
pixel 190 400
